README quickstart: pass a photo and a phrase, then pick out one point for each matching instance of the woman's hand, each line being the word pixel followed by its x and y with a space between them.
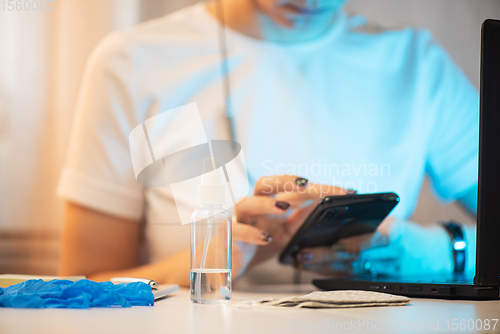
pixel 246 238
pixel 256 215
pixel 397 248
pixel 279 206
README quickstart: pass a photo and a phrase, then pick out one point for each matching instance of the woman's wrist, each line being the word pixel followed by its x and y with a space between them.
pixel 466 247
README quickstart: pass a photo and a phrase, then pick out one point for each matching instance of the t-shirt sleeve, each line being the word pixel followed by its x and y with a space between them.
pixel 452 160
pixel 98 171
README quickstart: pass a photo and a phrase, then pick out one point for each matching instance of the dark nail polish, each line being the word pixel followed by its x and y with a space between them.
pixel 301 182
pixel 305 257
pixel 266 237
pixel 282 205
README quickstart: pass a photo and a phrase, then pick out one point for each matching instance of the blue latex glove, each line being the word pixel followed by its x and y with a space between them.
pixel 79 294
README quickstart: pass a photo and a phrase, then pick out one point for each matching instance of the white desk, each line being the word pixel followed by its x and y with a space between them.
pixel 177 314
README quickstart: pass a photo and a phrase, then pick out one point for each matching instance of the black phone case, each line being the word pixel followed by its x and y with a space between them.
pixel 338 217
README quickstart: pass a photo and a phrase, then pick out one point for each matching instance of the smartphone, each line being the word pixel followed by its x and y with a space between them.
pixel 338 217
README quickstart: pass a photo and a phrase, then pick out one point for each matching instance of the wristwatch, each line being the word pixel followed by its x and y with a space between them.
pixel 458 243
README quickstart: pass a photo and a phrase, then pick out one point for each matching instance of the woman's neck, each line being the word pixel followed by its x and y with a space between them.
pixel 245 17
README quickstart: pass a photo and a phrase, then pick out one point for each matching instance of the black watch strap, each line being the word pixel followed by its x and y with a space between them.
pixel 458 244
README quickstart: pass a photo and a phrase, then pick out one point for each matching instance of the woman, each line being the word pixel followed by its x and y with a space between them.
pixel 314 93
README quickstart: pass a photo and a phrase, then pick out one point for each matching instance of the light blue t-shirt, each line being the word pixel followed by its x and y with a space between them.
pixel 362 108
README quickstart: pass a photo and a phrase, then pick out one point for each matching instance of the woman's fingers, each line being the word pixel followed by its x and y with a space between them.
pixel 250 234
pixel 350 256
pixel 324 260
pixel 312 192
pixel 389 252
pixel 359 243
pixel 347 249
pixel 250 207
pixel 270 185
pixel 322 190
pixel 296 198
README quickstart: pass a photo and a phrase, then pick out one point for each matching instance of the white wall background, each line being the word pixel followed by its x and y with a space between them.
pixel 42 55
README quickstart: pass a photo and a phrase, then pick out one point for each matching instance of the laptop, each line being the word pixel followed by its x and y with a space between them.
pixel 485 284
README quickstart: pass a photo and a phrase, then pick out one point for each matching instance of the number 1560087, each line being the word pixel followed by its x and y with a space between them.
pixel 27 5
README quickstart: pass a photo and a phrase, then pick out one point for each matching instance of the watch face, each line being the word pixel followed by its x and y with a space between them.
pixel 458 245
